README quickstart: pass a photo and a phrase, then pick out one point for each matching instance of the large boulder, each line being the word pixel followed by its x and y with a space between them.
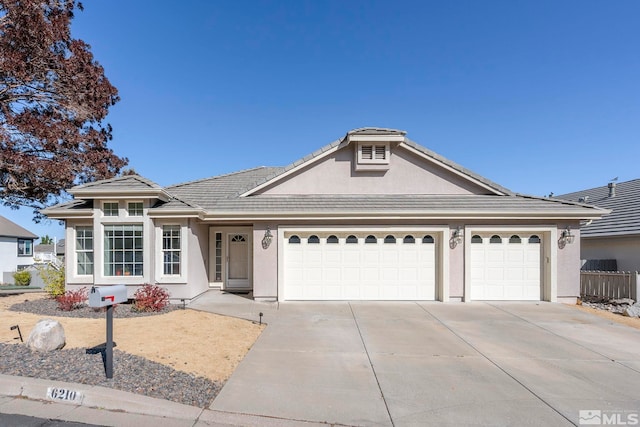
pixel 632 311
pixel 47 335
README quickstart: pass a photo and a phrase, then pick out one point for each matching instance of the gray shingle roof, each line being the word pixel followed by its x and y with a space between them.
pixel 120 183
pixel 220 196
pixel 624 218
pixel 206 192
pixel 9 228
pixel 461 206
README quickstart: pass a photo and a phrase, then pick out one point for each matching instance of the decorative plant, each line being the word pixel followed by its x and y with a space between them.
pixel 72 300
pixel 53 281
pixel 22 278
pixel 150 298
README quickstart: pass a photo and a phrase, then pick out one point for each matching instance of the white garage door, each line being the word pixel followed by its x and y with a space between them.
pixel 505 267
pixel 359 266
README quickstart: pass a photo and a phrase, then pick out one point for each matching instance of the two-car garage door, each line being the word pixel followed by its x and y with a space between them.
pixel 359 266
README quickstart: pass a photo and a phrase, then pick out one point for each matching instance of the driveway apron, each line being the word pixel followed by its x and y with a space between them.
pixel 407 363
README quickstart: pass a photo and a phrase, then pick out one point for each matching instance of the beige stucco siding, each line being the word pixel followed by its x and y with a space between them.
pixel 625 250
pixel 408 174
pixel 265 263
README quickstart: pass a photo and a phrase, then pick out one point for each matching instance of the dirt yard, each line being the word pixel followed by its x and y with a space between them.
pixel 200 343
pixel 634 322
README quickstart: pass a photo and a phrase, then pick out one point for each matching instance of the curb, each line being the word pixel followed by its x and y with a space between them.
pixel 96 397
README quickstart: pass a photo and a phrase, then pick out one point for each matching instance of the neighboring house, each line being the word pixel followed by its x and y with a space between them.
pixel 16 247
pixel 371 216
pixel 612 242
pixel 49 253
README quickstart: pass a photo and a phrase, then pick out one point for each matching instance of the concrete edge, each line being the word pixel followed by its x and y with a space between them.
pixel 97 397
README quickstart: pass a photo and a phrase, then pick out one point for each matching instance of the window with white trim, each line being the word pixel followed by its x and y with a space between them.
pixel 134 209
pixel 171 249
pixel 84 251
pixel 110 209
pixel 25 247
pixel 123 250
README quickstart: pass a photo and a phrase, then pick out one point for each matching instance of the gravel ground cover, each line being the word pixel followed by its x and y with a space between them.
pixel 49 307
pixel 130 372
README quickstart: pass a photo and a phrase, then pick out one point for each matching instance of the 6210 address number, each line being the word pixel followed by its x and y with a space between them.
pixel 63 394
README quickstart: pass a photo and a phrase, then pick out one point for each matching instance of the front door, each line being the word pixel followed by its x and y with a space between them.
pixel 238 262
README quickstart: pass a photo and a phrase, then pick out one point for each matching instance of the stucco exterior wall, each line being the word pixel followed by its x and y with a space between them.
pixel 197 263
pixel 408 174
pixel 265 263
pixel 9 259
pixel 625 250
pixel 568 262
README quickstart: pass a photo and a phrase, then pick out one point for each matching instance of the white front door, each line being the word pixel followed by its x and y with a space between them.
pixel 238 260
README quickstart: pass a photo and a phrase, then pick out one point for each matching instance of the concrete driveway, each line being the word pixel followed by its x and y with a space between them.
pixel 397 364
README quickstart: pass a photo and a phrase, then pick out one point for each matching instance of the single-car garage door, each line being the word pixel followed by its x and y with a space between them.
pixel 359 266
pixel 505 267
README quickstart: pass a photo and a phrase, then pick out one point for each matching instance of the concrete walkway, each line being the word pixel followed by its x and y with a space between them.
pixel 389 364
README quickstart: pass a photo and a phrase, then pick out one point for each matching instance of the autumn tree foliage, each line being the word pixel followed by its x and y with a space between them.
pixel 54 98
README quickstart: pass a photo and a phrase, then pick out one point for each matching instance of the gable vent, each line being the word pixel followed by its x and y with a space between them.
pixel 380 152
pixel 367 152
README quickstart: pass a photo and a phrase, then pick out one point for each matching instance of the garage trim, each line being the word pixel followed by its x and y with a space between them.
pixel 440 233
pixel 549 272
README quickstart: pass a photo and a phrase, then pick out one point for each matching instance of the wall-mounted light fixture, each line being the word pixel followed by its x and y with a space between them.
pixel 456 238
pixel 268 237
pixel 566 238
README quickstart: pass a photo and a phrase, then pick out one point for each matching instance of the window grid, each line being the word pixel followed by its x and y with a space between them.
pixel 110 209
pixel 123 250
pixel 171 248
pixel 135 209
pixel 25 247
pixel 84 251
pixel 218 257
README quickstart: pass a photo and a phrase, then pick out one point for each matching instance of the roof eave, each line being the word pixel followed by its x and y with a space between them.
pixel 88 193
pixel 405 215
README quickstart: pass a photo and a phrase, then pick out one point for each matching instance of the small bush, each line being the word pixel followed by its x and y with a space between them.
pixel 150 298
pixel 71 300
pixel 22 278
pixel 53 281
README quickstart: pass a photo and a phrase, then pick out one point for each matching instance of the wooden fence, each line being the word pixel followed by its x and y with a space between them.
pixel 610 284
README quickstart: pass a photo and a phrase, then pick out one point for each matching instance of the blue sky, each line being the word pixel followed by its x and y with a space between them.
pixel 538 96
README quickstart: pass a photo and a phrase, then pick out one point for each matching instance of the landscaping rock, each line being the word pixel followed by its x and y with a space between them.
pixel 622 301
pixel 47 335
pixel 632 311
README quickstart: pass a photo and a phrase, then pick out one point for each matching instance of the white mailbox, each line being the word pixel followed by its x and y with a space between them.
pixel 104 296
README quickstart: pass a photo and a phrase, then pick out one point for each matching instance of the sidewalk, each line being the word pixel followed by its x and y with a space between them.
pixel 108 407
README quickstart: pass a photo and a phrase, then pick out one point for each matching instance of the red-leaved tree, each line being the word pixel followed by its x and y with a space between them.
pixel 53 99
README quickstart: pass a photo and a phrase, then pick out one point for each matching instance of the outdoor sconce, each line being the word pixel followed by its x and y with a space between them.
pixel 566 238
pixel 266 240
pixel 456 238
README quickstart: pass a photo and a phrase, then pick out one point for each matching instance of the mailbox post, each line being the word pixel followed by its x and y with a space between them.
pixel 107 296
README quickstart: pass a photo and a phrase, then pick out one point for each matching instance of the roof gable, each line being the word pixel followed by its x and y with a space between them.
pixel 416 170
pixel 122 186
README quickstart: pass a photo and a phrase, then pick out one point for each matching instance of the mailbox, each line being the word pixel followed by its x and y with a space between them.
pixel 104 296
